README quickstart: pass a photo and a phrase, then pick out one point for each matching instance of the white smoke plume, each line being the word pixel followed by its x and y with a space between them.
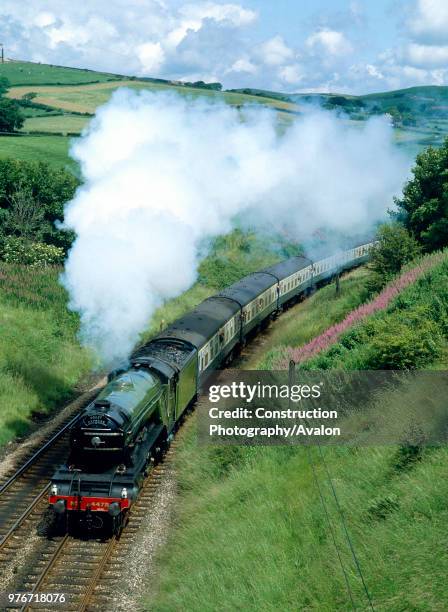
pixel 162 173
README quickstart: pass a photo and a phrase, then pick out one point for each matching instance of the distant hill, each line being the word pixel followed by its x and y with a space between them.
pixel 419 114
pixel 407 107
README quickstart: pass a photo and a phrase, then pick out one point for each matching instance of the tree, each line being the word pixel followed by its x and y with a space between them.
pixel 25 218
pixel 423 208
pixel 11 118
pixel 48 187
pixel 395 247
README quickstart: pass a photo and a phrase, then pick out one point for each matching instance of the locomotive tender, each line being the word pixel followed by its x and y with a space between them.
pixel 123 430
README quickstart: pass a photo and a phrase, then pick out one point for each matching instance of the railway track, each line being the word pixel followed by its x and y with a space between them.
pixel 21 495
pixel 84 570
pixel 24 491
pixel 35 560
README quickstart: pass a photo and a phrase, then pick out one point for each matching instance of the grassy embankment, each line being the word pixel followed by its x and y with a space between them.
pixel 250 530
pixel 41 360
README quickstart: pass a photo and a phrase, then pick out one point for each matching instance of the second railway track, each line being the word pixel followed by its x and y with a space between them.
pixel 24 491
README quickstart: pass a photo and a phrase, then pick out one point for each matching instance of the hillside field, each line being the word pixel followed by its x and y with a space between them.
pixel 66 98
pixel 86 98
pixel 29 73
pixel 50 148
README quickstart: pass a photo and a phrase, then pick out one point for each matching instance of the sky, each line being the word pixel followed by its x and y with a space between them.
pixel 346 46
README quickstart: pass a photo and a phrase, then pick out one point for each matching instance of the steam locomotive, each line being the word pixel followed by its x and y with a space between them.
pixel 123 431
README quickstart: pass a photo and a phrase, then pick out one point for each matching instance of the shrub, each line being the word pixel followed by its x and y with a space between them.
pixel 49 188
pixel 395 247
pixel 36 254
pixel 406 341
pixel 410 451
pixel 11 119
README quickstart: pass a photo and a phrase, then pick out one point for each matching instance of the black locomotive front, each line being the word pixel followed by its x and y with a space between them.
pixel 100 434
pixel 107 430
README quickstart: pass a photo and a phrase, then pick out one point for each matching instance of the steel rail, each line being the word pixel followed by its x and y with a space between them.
pixel 96 575
pixel 35 456
pixel 46 570
pixel 25 514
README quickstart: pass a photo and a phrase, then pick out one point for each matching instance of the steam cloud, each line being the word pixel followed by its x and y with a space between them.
pixel 162 173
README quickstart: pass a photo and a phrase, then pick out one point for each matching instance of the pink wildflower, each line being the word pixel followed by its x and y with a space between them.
pixel 330 336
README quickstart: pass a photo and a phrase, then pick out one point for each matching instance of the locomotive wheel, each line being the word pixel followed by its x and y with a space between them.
pixel 59 524
pixel 72 523
pixel 119 523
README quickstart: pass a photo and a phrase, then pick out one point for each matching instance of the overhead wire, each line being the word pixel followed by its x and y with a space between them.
pixel 340 513
pixel 324 505
pixel 345 528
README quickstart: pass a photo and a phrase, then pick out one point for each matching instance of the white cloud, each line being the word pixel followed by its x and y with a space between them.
pixel 194 15
pixel 422 56
pixel 374 72
pixel 430 20
pixel 142 37
pixel 233 13
pixel 330 41
pixel 274 51
pixel 291 74
pixel 243 65
pixel 44 19
pixel 427 55
pixel 151 56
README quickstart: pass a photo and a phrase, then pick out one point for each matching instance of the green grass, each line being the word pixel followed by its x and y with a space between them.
pixel 52 149
pixel 60 124
pixel 251 532
pixel 28 73
pixel 40 358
